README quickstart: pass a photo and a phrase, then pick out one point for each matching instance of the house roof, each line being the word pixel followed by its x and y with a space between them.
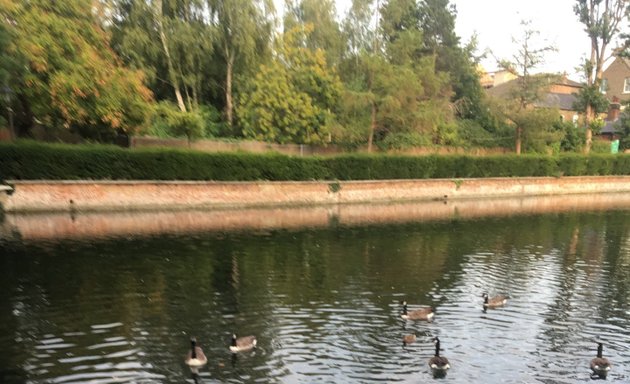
pixel 610 127
pixel 550 100
pixel 557 100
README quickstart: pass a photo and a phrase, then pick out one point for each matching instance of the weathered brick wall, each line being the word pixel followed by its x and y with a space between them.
pixel 71 196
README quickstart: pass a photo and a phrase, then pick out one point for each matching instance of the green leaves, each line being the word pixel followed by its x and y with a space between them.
pixel 292 99
pixel 72 77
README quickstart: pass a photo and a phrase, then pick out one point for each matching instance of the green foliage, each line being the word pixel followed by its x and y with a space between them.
pixel 293 98
pixel 171 122
pixel 538 127
pixel 405 140
pixel 32 161
pixel 322 13
pixel 573 138
pixel 600 146
pixel 72 78
pixel 590 95
pixel 471 133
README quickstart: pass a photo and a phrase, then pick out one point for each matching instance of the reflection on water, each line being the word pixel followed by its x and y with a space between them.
pixel 324 302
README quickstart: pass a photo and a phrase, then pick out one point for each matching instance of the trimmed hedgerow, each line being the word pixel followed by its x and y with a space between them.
pixel 38 161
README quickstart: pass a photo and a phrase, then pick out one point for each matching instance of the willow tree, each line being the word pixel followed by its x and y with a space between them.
pixel 601 19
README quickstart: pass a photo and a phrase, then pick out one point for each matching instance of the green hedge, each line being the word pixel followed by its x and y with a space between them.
pixel 32 161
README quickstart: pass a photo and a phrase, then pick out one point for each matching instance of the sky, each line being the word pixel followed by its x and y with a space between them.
pixel 496 22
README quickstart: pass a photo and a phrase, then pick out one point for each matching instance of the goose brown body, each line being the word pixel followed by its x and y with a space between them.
pixel 425 314
pixel 494 302
pixel 600 365
pixel 242 344
pixel 408 339
pixel 195 357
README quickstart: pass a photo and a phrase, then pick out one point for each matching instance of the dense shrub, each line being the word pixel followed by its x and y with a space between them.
pixel 32 161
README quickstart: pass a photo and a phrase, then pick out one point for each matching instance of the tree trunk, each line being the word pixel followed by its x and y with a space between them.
pixel 372 127
pixel 517 145
pixel 169 62
pixel 589 133
pixel 229 106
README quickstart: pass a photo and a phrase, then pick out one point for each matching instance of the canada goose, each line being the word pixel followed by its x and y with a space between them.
pixel 241 344
pixel 408 339
pixel 195 357
pixel 439 364
pixel 493 302
pixel 600 365
pixel 417 314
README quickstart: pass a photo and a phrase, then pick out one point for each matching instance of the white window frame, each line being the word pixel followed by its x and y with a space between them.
pixel 603 87
pixel 626 85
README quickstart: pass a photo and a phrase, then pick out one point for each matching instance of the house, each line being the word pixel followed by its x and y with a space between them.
pixel 616 80
pixel 560 94
pixel 492 79
pixel 616 86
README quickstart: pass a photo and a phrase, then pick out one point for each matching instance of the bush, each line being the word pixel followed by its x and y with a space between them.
pixel 27 160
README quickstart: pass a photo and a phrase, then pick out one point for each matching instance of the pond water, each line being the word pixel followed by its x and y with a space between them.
pixel 324 302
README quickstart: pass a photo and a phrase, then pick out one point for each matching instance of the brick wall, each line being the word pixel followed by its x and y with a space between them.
pixel 77 196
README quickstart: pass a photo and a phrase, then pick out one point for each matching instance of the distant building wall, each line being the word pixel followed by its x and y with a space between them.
pixel 616 75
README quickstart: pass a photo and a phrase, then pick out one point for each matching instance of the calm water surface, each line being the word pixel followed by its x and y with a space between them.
pixel 324 303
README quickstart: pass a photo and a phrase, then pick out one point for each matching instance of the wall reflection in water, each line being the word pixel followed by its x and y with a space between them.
pixel 112 224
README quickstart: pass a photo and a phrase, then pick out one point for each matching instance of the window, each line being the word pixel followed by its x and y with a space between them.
pixel 626 85
pixel 603 87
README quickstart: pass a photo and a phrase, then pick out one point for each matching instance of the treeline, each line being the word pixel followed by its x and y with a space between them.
pixel 36 161
pixel 388 73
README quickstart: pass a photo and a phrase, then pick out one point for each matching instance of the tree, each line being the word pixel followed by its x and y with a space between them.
pixel 292 99
pixel 71 78
pixel 601 20
pixel 529 86
pixel 391 82
pixel 437 20
pixel 243 34
pixel 169 40
pixel 327 36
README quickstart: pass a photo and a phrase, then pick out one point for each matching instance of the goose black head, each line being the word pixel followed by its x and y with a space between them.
pixel 193 344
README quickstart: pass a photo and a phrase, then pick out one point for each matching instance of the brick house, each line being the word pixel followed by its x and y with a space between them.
pixel 616 86
pixel 560 94
pixel 616 81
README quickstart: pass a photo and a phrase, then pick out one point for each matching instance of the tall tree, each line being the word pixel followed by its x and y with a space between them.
pixel 437 20
pixel 322 13
pixel 530 54
pixel 71 78
pixel 170 40
pixel 601 19
pixel 243 31
pixel 293 98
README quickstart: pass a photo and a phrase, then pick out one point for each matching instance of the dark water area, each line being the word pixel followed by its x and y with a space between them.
pixel 324 303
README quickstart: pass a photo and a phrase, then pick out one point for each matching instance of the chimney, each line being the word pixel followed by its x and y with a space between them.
pixel 614 108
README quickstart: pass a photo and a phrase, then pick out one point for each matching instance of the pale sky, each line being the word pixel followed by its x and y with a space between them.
pixel 496 22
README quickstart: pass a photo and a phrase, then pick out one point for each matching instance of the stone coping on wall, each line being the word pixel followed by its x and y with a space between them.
pixel 128 195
